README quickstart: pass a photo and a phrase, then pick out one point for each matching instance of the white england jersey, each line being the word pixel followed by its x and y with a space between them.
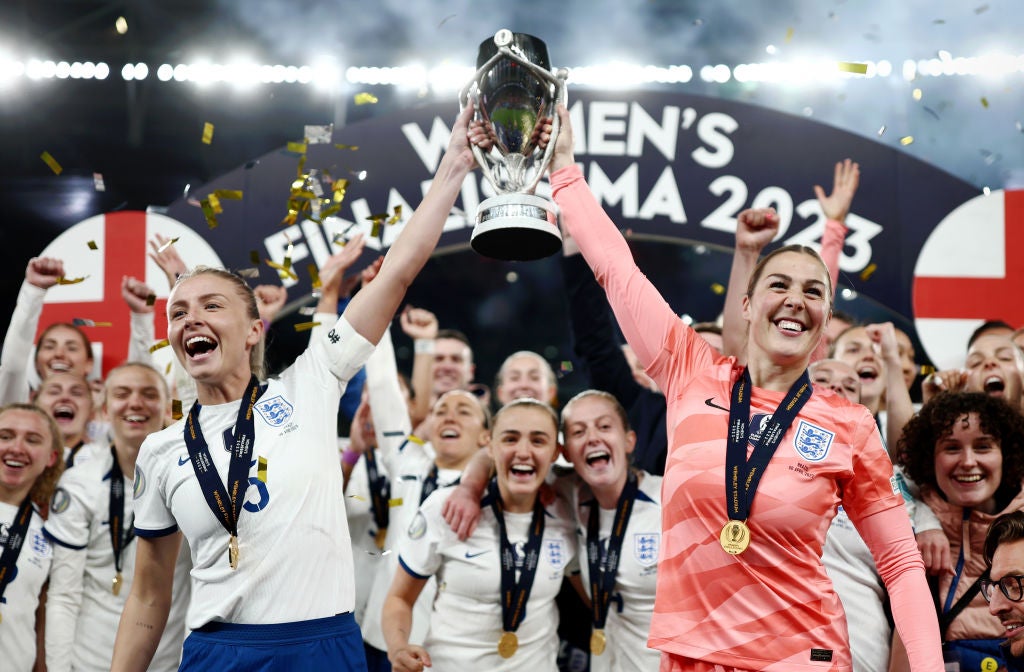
pixel 632 602
pixel 21 597
pixel 465 623
pixel 295 556
pixel 367 558
pixel 409 468
pixel 82 612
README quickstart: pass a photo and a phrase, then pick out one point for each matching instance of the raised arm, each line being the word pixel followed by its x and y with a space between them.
pixel 898 406
pixel 835 206
pixel 145 611
pixel 421 326
pixel 371 309
pixel 41 273
pixel 645 318
pixel 142 334
pixel 755 229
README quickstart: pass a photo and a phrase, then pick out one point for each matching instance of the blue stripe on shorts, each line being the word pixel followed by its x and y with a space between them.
pixel 332 643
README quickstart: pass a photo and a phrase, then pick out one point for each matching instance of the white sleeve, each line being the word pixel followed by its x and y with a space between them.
pixel 153 517
pixel 17 350
pixel 63 604
pixel 387 403
pixel 342 350
pixel 141 337
pixel 419 547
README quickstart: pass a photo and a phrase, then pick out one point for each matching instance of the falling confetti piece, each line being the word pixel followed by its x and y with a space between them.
pixel 92 245
pixel 395 501
pixel 163 248
pixel 867 272
pixel 314 275
pixel 789 35
pixel 981 9
pixel 932 112
pixel 150 299
pixel 207 133
pixel 306 326
pixel 364 98
pixel 51 162
pixel 318 134
pixel 881 130
pixel 214 202
pixel 249 273
pixel 566 366
pixel 254 257
pixel 283 271
pixel 446 20
pixel 939 22
pixel 907 140
pixel 984 102
pixel 167 369
pixel 307 310
pixel 856 68
pixel 261 470
pixel 358 498
pixel 97 182
pixel 228 194
pixel 85 322
pixel 917 94
pixel 718 288
pixel 176 409
pixel 297 147
pixel 393 219
pixel 158 345
pixel 354 148
pixel 209 213
pixel 927 369
pixel 70 281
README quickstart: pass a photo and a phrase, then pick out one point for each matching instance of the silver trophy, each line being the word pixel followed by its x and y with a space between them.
pixel 514 92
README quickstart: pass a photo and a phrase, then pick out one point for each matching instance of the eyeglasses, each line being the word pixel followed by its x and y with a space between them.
pixel 1012 586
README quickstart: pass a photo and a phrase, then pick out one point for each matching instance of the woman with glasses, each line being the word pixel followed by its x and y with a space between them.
pixel 966 450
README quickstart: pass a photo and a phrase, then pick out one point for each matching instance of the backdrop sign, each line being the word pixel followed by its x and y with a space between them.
pixel 664 165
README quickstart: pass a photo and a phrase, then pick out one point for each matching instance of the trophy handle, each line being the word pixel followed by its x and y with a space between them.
pixel 472 88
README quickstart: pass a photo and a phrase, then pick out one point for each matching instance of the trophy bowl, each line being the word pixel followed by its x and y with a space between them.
pixel 514 93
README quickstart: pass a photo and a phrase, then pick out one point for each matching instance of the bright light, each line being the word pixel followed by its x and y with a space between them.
pixel 448 77
pixel 102 70
pixel 121 25
pixel 128 72
pixel 49 69
pixel 63 70
pixel 165 72
pixel 884 68
pixel 771 50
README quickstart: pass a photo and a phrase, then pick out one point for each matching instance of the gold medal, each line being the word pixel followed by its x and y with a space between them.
pixel 380 537
pixel 735 537
pixel 508 644
pixel 233 552
pixel 598 642
pixel 115 585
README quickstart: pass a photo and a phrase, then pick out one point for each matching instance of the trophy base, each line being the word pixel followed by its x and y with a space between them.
pixel 516 227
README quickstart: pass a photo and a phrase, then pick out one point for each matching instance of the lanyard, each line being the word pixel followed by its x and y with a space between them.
pixel 514 594
pixel 72 453
pixel 118 540
pixel 15 540
pixel 225 502
pixel 738 469
pixel 380 493
pixel 429 484
pixel 602 574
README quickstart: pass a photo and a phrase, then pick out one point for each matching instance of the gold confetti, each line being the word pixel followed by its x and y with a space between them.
pixel 167 369
pixel 92 245
pixel 261 469
pixel 868 271
pixel 396 501
pixel 789 35
pixel 364 98
pixel 927 369
pixel 254 257
pixel 288 255
pixel 97 182
pixel 314 274
pixel 395 217
pixel 215 203
pixel 378 224
pixel 70 281
pixel 984 102
pixel 209 213
pixel 358 498
pixel 907 140
pixel 306 326
pixel 51 162
pixel 150 299
pixel 228 194
pixel 176 409
pixel 855 68
pixel 85 322
pixel 158 345
pixel 163 248
pixel 207 133
pixel 718 288
pixel 354 148
pixel 282 270
pixel 297 147
pixel 917 94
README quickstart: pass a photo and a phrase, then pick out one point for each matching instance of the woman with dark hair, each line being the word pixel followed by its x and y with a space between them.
pixel 251 475
pixel 740 579
pixel 966 452
pixel 30 464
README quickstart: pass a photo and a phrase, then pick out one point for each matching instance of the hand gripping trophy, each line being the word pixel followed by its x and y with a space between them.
pixel 514 93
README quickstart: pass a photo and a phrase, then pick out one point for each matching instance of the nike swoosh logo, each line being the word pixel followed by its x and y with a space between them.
pixel 182 461
pixel 710 401
pixel 470 556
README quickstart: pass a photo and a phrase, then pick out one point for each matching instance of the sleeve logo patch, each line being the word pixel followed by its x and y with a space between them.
pixel 60 501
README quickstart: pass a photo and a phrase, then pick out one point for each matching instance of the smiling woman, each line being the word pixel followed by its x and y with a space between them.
pixel 966 451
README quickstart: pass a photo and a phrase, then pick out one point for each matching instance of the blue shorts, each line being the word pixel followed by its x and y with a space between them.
pixel 332 643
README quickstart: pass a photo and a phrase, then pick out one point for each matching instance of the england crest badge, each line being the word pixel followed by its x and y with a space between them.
pixel 275 410
pixel 812 442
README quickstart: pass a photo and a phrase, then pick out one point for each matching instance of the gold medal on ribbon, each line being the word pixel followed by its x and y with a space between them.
pixel 115 585
pixel 233 552
pixel 379 538
pixel 508 644
pixel 598 642
pixel 735 537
